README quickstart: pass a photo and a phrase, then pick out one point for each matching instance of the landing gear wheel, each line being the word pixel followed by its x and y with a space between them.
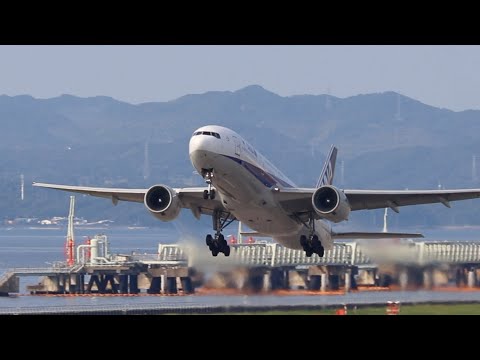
pixel 321 252
pixel 217 244
pixel 208 175
pixel 223 245
pixel 227 251
pixel 209 240
pixel 209 194
pixel 303 242
pixel 312 246
pixel 317 246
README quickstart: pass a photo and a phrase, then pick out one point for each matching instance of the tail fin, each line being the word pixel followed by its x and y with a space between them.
pixel 326 176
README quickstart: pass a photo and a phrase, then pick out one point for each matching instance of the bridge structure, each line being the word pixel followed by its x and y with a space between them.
pixel 349 253
pixel 160 270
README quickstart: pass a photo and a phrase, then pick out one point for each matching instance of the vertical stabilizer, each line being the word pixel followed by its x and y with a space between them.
pixel 326 176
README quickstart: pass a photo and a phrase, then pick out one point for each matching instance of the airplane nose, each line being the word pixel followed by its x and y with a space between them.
pixel 202 142
pixel 203 149
pixel 195 144
pixel 198 152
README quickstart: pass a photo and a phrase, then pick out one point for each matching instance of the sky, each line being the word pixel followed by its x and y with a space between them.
pixel 441 76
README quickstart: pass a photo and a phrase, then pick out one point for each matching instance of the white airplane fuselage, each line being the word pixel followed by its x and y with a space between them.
pixel 245 182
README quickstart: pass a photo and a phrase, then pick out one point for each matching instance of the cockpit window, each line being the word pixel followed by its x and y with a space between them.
pixel 211 133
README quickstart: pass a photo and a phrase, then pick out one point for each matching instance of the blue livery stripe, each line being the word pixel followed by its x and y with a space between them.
pixel 265 178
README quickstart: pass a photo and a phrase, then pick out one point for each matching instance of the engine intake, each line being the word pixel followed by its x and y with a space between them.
pixel 162 202
pixel 331 203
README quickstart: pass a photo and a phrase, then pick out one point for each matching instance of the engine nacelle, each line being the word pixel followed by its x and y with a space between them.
pixel 331 203
pixel 162 202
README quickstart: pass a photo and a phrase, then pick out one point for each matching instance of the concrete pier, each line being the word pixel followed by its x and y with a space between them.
pixel 267 283
pixel 427 278
pixel 348 280
pixel 323 282
pixel 403 278
pixel 471 278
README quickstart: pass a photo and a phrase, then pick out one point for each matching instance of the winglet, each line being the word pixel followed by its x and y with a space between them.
pixel 326 176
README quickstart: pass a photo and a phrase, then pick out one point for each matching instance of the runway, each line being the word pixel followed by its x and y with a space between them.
pixel 210 303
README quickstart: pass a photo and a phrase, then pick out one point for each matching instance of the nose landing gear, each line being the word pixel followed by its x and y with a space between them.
pixel 208 175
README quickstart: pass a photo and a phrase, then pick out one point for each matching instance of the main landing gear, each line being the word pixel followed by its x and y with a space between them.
pixel 217 243
pixel 208 175
pixel 311 244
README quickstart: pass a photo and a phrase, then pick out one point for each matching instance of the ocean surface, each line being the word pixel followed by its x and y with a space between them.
pixel 42 247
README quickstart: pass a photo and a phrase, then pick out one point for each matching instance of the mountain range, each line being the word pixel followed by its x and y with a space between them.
pixel 385 140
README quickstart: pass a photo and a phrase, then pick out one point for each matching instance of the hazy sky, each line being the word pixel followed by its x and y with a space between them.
pixel 443 76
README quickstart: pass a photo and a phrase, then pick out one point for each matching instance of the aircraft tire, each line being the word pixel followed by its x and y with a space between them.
pixel 303 242
pixel 226 250
pixel 321 251
pixel 209 240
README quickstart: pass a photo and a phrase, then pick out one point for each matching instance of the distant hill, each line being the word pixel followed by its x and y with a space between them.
pixel 386 140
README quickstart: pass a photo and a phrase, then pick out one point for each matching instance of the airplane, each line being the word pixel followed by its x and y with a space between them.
pixel 243 185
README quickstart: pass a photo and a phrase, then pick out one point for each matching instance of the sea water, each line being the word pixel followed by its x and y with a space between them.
pixel 43 247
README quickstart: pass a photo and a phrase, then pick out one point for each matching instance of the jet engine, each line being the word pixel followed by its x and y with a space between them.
pixel 331 203
pixel 162 202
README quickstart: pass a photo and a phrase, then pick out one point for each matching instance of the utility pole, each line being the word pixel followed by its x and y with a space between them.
pixel 474 168
pixel 22 187
pixel 70 244
pixel 146 164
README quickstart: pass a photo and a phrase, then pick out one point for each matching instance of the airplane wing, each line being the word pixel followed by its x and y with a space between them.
pixel 375 199
pixel 299 200
pixel 191 198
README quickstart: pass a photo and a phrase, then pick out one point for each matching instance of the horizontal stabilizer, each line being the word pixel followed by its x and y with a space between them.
pixel 374 235
pixel 253 233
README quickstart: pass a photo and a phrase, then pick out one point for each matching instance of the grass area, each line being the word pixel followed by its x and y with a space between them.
pixel 420 309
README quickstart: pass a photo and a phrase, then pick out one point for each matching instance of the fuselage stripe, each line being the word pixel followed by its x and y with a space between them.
pixel 265 178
